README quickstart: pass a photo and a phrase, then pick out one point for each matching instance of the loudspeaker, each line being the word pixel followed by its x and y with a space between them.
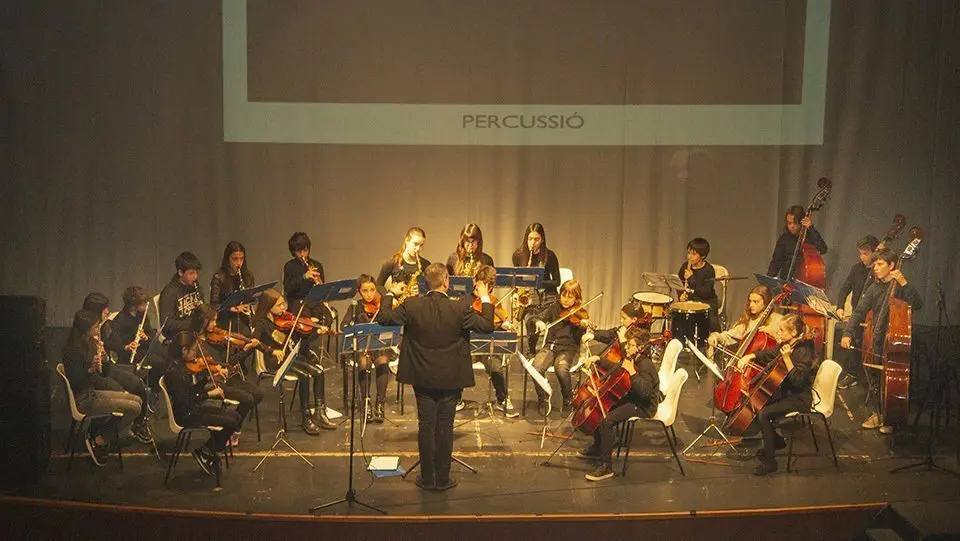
pixel 24 391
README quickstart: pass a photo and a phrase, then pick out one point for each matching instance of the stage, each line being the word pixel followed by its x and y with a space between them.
pixel 511 479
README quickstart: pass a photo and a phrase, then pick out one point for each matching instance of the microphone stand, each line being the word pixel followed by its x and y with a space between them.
pixel 934 397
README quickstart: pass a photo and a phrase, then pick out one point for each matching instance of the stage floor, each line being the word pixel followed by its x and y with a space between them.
pixel 510 479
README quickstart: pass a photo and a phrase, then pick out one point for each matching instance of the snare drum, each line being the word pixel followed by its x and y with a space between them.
pixel 690 319
pixel 654 304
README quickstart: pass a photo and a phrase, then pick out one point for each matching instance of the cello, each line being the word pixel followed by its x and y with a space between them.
pixel 897 342
pixel 807 265
pixel 727 393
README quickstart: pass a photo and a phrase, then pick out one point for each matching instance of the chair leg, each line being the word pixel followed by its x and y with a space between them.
pixel 626 442
pixel 116 432
pixel 830 440
pixel 813 435
pixel 69 444
pixel 256 415
pixel 173 457
pixel 674 434
pixel 790 452
pixel 673 448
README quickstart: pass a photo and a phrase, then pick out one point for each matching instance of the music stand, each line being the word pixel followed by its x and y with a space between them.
pixel 281 432
pixel 663 280
pixel 240 298
pixel 339 290
pixel 502 343
pixel 801 293
pixel 460 287
pixel 368 337
pixel 525 277
pixel 712 366
pixel 542 382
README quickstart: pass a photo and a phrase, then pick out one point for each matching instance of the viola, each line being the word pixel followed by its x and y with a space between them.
pixel 499 312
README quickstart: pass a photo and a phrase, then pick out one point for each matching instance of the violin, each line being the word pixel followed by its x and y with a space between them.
pixel 575 315
pixel 499 313
pixel 304 326
pixel 201 364
pixel 371 308
pixel 218 336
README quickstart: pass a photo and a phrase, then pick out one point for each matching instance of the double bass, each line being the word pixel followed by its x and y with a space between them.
pixel 727 393
pixel 807 265
pixel 897 342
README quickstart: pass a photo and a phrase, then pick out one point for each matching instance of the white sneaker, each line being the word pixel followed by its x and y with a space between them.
pixel 873 422
pixel 886 430
pixel 460 405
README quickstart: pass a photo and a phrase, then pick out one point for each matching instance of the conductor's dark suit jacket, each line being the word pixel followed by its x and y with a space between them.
pixel 435 350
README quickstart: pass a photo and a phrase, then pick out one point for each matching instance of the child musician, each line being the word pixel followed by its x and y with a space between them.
pixel 858 279
pixel 232 276
pixel 300 274
pixel 795 218
pixel 492 364
pixel 83 357
pixel 365 310
pixel 406 265
pixel 698 279
pixel 533 252
pixel 631 315
pixel 235 386
pixel 757 300
pixel 181 296
pixel 563 341
pixel 875 298
pixel 794 394
pixel 271 306
pixel 469 256
pixel 188 400
pixel 640 401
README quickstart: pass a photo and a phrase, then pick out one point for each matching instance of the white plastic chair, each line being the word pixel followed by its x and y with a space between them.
pixel 565 274
pixel 156 311
pixel 80 422
pixel 665 416
pixel 184 434
pixel 824 398
pixel 668 364
pixel 720 271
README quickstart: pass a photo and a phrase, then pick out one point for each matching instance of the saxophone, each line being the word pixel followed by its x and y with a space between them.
pixel 470 267
pixel 521 297
pixel 411 282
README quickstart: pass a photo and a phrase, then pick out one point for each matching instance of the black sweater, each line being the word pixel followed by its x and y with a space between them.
pixel 644 385
pixel 783 251
pixel 551 269
pixel 875 299
pixel 123 330
pixel 401 272
pixel 295 286
pixel 563 336
pixel 701 282
pixel 800 379
pixel 76 364
pixel 185 395
pixel 856 278
pixel 482 257
pixel 177 304
pixel 222 285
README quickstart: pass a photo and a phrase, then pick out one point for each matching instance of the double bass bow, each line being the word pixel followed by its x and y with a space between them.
pixel 894 358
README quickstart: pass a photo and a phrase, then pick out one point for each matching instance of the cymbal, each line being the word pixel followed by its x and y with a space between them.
pixel 728 278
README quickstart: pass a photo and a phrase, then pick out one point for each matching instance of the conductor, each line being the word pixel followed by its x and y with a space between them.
pixel 435 360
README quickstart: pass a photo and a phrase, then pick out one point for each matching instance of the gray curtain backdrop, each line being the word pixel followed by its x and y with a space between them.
pixel 114 158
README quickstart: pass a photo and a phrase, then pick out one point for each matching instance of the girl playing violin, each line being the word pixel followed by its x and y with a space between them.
pixel 563 340
pixel 533 252
pixel 365 310
pixel 469 256
pixel 640 401
pixel 232 276
pixel 275 341
pixel 492 364
pixel 794 394
pixel 757 300
pixel 188 400
pixel 215 342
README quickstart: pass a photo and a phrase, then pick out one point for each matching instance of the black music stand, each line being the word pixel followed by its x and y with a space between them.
pixel 460 287
pixel 339 290
pixel 502 343
pixel 281 432
pixel 526 277
pixel 357 338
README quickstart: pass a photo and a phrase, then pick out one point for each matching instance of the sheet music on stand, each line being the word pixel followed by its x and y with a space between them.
pixel 332 291
pixel 285 365
pixel 531 277
pixel 244 296
pixel 662 280
pixel 802 293
pixel 363 337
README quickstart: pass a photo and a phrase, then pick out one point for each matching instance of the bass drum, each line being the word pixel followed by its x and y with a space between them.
pixel 655 304
pixel 690 319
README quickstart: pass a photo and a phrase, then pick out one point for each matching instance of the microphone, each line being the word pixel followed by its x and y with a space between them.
pixel 941 302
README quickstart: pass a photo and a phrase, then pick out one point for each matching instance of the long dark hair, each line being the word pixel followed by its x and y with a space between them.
pixel 469 231
pixel 798 213
pixel 78 339
pixel 183 339
pixel 265 303
pixel 234 246
pixel 541 259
